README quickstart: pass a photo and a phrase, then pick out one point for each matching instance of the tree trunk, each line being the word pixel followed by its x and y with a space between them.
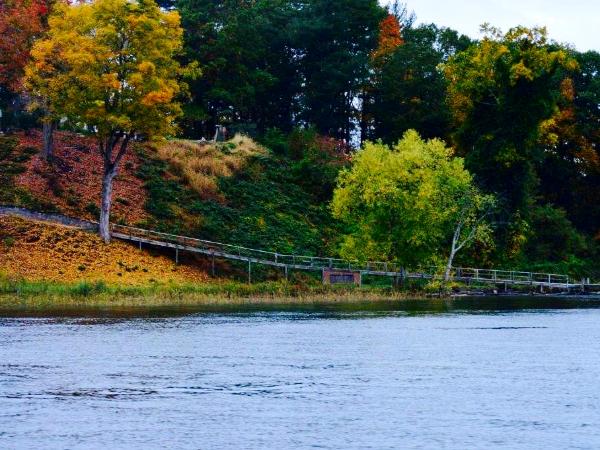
pixel 449 266
pixel 48 132
pixel 111 166
pixel 107 185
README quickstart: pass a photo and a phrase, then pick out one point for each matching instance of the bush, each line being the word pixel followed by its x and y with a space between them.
pixel 9 241
pixel 275 140
pixel 92 209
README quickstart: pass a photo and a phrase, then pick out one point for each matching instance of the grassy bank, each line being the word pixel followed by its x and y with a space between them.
pixel 40 295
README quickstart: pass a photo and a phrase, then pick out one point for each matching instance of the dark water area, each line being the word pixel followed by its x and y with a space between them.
pixel 463 374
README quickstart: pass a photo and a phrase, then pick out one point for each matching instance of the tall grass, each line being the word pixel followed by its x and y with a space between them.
pixel 201 164
pixel 41 294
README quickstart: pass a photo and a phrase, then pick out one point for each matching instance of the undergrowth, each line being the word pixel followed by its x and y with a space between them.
pixel 266 205
pixel 12 163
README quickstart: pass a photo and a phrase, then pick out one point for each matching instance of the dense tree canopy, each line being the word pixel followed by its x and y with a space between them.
pixel 502 91
pixel 109 65
pixel 406 202
pixel 309 77
pixel 409 88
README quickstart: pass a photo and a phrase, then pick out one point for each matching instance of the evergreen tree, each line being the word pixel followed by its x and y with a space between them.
pixel 336 40
pixel 409 89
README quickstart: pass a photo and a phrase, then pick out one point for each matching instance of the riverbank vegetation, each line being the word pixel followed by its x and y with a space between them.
pixel 311 119
pixel 43 295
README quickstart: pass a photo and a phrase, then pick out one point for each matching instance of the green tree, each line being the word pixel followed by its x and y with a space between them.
pixel 250 76
pixel 110 65
pixel 335 43
pixel 409 203
pixel 409 89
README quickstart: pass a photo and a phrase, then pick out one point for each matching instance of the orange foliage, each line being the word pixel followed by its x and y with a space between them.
pixel 21 21
pixel 390 38
pixel 39 251
pixel 74 180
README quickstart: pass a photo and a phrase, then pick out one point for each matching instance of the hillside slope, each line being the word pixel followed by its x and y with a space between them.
pixel 71 184
pixel 42 251
pixel 236 191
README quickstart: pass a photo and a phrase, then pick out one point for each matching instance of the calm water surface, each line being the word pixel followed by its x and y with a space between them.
pixel 525 379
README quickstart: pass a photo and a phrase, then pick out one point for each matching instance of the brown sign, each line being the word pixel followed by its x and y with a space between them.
pixel 331 276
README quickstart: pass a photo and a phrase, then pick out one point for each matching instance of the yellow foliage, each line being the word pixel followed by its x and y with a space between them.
pixel 38 251
pixel 82 62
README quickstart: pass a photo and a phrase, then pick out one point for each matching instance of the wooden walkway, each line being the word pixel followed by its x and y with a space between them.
pixel 287 262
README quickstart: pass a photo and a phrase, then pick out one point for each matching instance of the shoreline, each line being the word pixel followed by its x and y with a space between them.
pixel 128 306
pixel 21 297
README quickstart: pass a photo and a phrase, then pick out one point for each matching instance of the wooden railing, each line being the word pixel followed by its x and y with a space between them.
pixel 304 262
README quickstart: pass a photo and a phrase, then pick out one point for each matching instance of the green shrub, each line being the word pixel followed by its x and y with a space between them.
pixel 92 209
pixel 9 241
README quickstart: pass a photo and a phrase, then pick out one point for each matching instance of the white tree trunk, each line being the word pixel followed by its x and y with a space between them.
pixel 449 265
pixel 107 185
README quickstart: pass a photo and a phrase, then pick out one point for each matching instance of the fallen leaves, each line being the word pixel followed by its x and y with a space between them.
pixel 39 251
pixel 74 180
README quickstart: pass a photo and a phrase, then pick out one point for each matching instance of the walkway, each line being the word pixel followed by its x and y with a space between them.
pixel 288 262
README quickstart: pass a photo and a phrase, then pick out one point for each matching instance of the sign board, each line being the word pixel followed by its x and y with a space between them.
pixel 331 276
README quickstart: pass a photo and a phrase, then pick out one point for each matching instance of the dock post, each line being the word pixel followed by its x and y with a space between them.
pixel 140 245
pixel 249 271
pixel 213 264
pixel 176 255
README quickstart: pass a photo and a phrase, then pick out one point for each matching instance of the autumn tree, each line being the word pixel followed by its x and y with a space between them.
pixel 501 91
pixel 110 65
pixel 570 172
pixel 414 203
pixel 21 22
pixel 390 38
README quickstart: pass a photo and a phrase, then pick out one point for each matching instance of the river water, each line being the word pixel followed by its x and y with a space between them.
pixel 462 378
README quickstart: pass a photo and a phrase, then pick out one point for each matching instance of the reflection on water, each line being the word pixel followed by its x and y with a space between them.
pixel 463 374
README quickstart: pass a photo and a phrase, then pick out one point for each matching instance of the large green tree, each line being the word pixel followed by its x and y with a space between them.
pixel 110 65
pixel 246 49
pixel 414 203
pixel 409 89
pixel 335 43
